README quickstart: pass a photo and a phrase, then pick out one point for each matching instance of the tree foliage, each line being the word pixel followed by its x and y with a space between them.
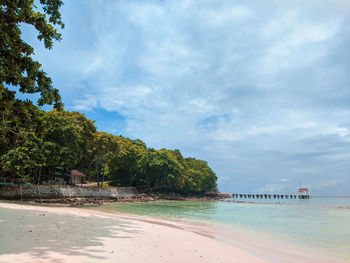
pixel 17 66
pixel 35 143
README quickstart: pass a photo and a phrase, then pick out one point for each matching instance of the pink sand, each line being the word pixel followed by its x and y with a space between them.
pixel 64 234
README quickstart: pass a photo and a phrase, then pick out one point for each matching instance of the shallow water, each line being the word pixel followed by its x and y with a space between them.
pixel 320 224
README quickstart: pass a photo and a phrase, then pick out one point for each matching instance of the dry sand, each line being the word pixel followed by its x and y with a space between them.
pixel 64 234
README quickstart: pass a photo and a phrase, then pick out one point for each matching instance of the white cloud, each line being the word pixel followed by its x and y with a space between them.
pixel 340 131
pixel 292 35
pixel 86 104
pixel 223 16
pixel 284 180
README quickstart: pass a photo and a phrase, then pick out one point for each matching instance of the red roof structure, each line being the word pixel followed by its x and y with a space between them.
pixel 303 190
pixel 77 173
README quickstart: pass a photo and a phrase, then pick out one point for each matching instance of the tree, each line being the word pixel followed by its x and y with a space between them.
pixel 200 177
pixel 163 171
pixel 62 142
pixel 87 132
pixel 128 164
pixel 17 67
pixel 105 148
pixel 20 137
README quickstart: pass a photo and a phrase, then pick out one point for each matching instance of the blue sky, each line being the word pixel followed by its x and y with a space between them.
pixel 259 89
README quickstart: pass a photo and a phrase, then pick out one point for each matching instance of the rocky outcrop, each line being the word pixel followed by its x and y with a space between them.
pixel 218 195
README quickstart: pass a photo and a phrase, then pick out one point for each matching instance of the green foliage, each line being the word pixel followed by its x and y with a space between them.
pixel 34 142
pixel 200 178
pixel 17 67
pixel 87 130
pixel 32 139
pixel 62 142
pixel 104 149
pixel 20 132
pixel 128 164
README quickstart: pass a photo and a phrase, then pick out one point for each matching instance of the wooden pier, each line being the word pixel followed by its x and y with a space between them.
pixel 271 196
pixel 303 193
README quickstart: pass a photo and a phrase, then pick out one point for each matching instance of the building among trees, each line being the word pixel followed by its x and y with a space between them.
pixel 76 177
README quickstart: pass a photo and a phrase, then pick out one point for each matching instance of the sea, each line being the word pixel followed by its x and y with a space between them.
pixel 319 226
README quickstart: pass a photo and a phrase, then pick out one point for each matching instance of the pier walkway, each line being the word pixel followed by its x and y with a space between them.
pixel 271 196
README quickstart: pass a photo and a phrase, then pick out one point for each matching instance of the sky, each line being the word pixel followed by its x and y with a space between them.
pixel 259 89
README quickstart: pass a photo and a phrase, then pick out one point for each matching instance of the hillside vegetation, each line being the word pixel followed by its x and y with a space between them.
pixel 35 144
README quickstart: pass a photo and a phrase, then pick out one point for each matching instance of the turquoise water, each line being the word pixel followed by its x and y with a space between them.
pixel 318 223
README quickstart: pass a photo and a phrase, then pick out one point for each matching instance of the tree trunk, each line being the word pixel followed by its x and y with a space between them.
pixel 39 175
pixel 13 177
pixel 97 176
pixel 147 182
pixel 131 177
pixel 103 174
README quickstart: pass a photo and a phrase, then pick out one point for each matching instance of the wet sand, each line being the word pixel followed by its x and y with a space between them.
pixel 64 234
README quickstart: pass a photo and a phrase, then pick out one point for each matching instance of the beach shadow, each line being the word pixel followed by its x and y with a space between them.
pixel 39 233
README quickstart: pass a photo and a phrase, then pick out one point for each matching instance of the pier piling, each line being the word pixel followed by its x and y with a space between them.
pixel 270 196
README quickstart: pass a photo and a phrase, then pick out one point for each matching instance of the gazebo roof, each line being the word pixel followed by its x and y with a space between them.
pixel 303 190
pixel 77 173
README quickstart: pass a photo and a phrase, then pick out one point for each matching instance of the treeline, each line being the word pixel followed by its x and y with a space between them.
pixel 35 143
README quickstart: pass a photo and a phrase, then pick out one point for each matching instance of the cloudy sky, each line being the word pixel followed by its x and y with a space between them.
pixel 259 89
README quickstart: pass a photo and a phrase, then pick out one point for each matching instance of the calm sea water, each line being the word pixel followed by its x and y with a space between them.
pixel 318 223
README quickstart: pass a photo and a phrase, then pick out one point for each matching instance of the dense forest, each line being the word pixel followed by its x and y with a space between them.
pixel 36 144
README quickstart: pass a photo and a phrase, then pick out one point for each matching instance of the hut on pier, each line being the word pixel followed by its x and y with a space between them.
pixel 303 193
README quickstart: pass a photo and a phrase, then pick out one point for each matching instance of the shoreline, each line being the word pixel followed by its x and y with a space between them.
pixel 158 236
pixel 98 200
pixel 97 236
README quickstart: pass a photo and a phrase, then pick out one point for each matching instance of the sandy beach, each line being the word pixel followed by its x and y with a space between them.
pixel 64 234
